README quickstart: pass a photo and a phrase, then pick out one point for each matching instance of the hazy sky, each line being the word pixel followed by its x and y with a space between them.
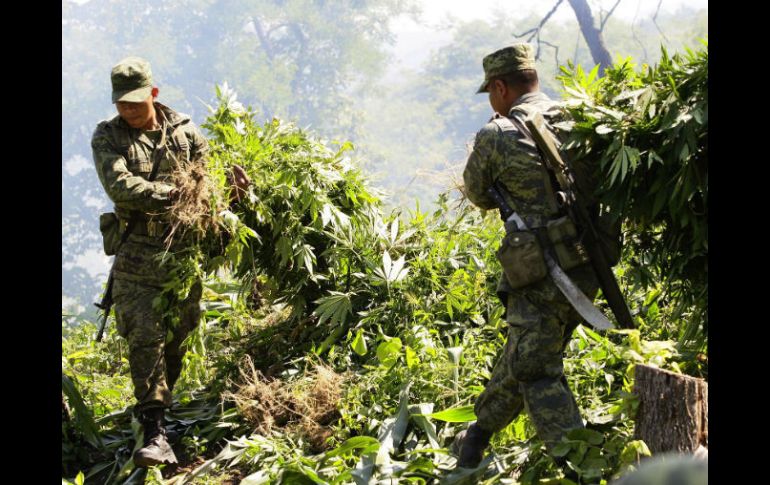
pixel 435 10
pixel 415 40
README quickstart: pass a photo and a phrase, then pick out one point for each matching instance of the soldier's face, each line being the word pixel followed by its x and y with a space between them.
pixel 137 115
pixel 501 96
pixel 496 98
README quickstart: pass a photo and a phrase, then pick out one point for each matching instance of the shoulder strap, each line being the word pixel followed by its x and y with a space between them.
pixel 503 123
pixel 549 180
pixel 178 140
pixel 157 154
pixel 181 143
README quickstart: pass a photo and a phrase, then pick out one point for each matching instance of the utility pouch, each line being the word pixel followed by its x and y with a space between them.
pixel 109 226
pixel 522 259
pixel 570 251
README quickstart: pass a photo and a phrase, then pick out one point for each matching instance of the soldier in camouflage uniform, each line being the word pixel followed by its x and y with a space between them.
pixel 529 374
pixel 125 149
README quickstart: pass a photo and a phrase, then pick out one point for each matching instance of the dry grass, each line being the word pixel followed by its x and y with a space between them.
pixel 307 406
pixel 192 209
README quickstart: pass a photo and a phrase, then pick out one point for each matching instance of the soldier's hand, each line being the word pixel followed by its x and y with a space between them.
pixel 239 182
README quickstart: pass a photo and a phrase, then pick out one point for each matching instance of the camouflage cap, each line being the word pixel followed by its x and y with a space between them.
pixel 131 80
pixel 509 59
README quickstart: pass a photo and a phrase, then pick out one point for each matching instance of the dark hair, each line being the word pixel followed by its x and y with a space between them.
pixel 526 78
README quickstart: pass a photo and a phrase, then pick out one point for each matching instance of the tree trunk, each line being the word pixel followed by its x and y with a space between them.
pixel 673 410
pixel 592 35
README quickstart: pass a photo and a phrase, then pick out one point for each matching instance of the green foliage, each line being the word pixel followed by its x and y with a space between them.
pixel 305 198
pixel 649 131
pixel 402 304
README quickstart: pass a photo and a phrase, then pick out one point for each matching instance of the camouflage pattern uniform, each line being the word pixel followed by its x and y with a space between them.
pixel 529 374
pixel 124 157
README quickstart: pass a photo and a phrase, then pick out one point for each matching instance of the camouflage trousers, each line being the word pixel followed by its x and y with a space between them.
pixel 155 349
pixel 530 372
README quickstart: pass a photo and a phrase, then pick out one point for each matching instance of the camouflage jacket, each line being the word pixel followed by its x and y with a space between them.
pixel 502 153
pixel 511 158
pixel 123 158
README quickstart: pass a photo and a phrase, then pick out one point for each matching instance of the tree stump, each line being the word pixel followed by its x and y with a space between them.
pixel 673 410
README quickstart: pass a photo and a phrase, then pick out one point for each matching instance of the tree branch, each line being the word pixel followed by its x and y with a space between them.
pixel 554 47
pixel 592 35
pixel 536 31
pixel 577 46
pixel 654 21
pixel 609 14
pixel 263 38
pixel 633 32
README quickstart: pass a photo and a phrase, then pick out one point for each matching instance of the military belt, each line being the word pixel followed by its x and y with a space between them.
pixel 535 222
pixel 146 228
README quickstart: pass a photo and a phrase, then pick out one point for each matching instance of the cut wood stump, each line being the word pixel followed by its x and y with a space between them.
pixel 673 410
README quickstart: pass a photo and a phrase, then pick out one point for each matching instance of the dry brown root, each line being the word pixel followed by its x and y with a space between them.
pixel 197 204
pixel 307 406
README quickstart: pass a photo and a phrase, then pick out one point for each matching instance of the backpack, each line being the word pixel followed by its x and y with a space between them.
pixel 586 174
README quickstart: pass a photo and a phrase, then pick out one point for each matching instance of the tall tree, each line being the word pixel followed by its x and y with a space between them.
pixel 592 34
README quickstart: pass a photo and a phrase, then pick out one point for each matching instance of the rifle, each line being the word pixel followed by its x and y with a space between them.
pixel 578 212
pixel 106 304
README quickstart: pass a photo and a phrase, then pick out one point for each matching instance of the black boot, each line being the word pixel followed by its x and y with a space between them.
pixel 469 446
pixel 569 473
pixel 156 449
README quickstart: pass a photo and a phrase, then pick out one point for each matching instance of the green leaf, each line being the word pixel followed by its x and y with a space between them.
pixel 257 478
pixel 633 157
pixel 661 197
pixel 397 271
pixel 326 214
pixel 359 344
pixel 462 414
pixel 464 476
pixel 110 393
pixel 387 263
pixel 592 74
pixel 335 307
pixel 393 429
pixel 633 451
pixel 625 163
pixel 391 271
pixel 284 249
pixel 594 463
pixel 80 354
pixel 603 130
pixel 419 413
pixel 617 165
pixel 306 255
pixel 588 435
pixel 389 351
pixel 83 415
pixel 411 358
pixel 367 444
pixel 561 449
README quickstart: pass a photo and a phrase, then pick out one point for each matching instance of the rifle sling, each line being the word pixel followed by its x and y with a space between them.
pixel 550 181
